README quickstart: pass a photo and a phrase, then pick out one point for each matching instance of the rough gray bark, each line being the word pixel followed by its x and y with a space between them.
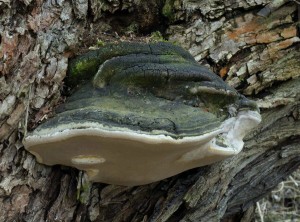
pixel 258 55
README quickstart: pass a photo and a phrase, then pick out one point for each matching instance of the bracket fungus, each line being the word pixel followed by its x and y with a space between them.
pixel 142 113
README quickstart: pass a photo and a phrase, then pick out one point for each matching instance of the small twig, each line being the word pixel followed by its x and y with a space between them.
pixel 297 181
pixel 294 181
pixel 292 188
pixel 27 109
pixel 280 189
pixel 261 216
pixel 296 1
pixel 294 212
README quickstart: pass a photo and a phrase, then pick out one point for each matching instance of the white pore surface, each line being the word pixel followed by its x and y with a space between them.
pixel 134 157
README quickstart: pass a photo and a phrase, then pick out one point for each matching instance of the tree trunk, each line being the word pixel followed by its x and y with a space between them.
pixel 253 45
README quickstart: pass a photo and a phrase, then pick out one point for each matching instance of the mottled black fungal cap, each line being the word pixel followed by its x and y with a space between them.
pixel 156 88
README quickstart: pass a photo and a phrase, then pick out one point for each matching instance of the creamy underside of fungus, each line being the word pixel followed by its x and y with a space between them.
pixel 133 158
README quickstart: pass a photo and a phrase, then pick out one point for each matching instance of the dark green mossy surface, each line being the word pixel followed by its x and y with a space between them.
pixel 85 66
pixel 154 88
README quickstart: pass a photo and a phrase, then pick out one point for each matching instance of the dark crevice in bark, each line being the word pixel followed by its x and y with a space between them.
pixel 240 55
pixel 21 7
pixel 89 15
pixel 80 213
pixel 265 92
pixel 228 12
pixel 281 27
pixel 211 63
pixel 146 16
pixel 178 214
pixel 53 191
pixel 241 11
pixel 34 194
pixel 294 46
pixel 269 91
pixel 242 86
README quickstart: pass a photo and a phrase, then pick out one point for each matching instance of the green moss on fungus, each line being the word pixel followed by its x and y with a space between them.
pixel 157 37
pixel 85 66
pixel 81 70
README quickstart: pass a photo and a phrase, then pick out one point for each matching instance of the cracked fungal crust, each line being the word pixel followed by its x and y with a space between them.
pixel 143 112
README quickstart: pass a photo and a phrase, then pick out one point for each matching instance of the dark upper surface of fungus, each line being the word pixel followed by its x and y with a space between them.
pixel 146 74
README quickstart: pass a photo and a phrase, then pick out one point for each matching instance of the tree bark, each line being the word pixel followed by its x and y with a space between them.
pixel 253 45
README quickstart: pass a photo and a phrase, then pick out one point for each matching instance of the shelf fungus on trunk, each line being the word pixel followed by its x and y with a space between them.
pixel 142 113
